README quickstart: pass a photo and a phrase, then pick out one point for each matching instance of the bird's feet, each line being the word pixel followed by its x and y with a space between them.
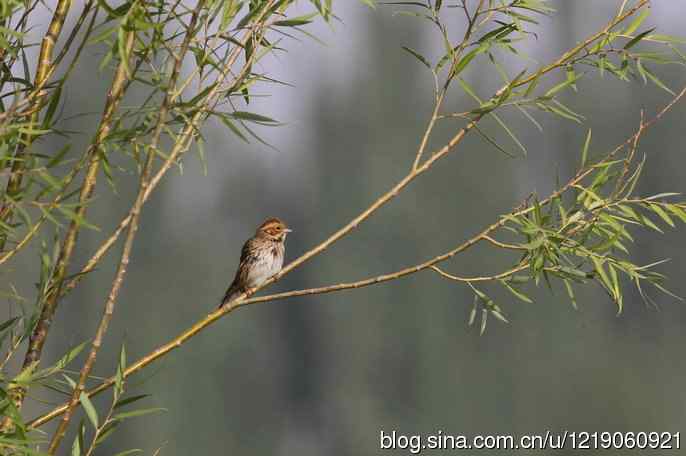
pixel 249 292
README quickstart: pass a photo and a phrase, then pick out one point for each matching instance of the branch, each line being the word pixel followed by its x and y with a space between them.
pixel 107 244
pixel 128 243
pixel 43 70
pixel 564 59
pixel 180 148
pixel 245 300
pixel 502 275
pixel 441 97
pixel 40 331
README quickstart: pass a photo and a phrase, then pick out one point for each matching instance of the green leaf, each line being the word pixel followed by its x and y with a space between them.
pixel 498 33
pixel 418 56
pixel 62 362
pixel 472 313
pixel 52 107
pixel 90 409
pixel 78 445
pixel 516 292
pixel 462 63
pixel 637 22
pixel 584 152
pixel 570 293
pixel 122 357
pixel 497 314
pixel 615 287
pixel 107 430
pixel 678 211
pixel 57 158
pixel 564 84
pixel 252 117
pixel 631 43
pixel 663 215
pixel 649 223
pixel 129 400
pixel 9 323
pixel 657 81
pixel 137 413
pixel 299 20
pixel 510 133
pixel 598 265
pixel 129 452
pixel 233 128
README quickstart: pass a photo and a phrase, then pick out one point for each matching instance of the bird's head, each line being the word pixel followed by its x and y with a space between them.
pixel 273 229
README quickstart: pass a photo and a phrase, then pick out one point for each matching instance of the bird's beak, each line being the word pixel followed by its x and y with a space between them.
pixel 288 230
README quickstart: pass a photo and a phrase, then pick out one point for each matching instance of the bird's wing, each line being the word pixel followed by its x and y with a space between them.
pixel 246 251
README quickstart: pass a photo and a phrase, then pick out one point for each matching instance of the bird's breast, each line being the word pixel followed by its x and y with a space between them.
pixel 266 265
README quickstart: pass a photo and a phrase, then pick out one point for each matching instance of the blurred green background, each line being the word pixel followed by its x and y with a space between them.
pixel 325 374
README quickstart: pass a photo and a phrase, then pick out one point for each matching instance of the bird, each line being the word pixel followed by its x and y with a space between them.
pixel 261 258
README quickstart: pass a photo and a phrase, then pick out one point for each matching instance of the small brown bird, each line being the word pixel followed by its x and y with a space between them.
pixel 261 258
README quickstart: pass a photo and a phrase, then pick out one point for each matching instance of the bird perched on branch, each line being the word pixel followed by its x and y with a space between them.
pixel 261 258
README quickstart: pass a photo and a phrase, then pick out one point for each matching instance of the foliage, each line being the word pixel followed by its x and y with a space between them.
pixel 179 64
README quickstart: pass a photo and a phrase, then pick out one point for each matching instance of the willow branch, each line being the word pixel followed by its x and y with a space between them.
pixel 503 245
pixel 109 242
pixel 567 56
pixel 444 90
pixel 40 331
pixel 244 299
pixel 66 182
pixel 128 243
pixel 177 151
pixel 489 278
pixel 42 71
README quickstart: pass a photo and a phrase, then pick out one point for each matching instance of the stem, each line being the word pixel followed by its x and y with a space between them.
pixel 243 301
pixel 180 147
pixel 40 331
pixel 381 201
pixel 42 72
pixel 128 243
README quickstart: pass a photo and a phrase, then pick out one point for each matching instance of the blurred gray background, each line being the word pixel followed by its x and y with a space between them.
pixel 325 374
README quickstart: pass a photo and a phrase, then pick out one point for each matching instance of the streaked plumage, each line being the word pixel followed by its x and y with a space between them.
pixel 261 258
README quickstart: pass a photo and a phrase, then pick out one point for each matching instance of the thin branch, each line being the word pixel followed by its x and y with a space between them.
pixel 245 300
pixel 392 193
pixel 128 243
pixel 77 168
pixel 180 147
pixel 503 245
pixel 490 278
pixel 563 60
pixel 40 331
pixel 42 71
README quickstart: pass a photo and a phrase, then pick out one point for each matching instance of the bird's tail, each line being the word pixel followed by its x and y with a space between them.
pixel 232 293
